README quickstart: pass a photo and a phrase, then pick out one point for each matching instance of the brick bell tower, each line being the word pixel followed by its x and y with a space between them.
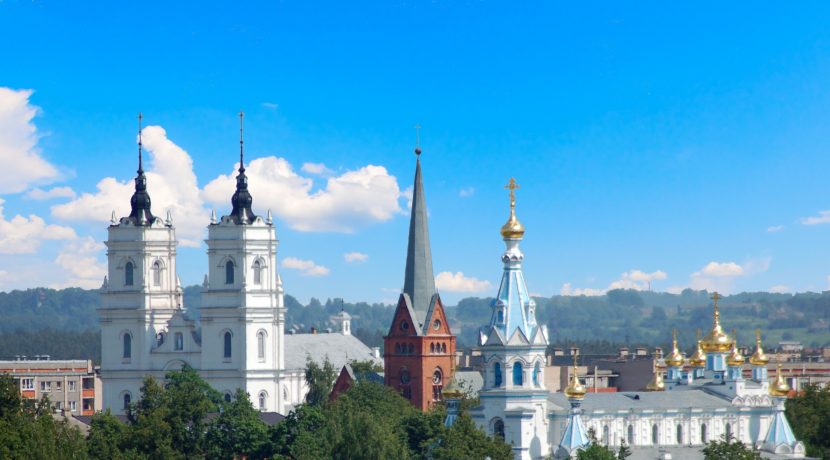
pixel 419 351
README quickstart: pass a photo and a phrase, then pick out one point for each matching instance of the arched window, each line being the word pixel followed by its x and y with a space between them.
pixel 227 396
pixel 703 436
pixel 517 374
pixel 443 348
pixel 498 428
pixel 679 433
pixel 178 341
pixel 654 437
pixel 432 348
pixel 127 400
pixel 128 346
pixel 257 273
pixel 260 344
pixel 630 438
pixel 437 385
pixel 397 348
pixel 411 349
pixel 263 400
pixel 500 316
pixel 728 431
pixel 229 272
pixel 497 374
pixel 159 339
pixel 606 435
pixel 227 345
pixel 128 274
pixel 157 273
pixel 537 370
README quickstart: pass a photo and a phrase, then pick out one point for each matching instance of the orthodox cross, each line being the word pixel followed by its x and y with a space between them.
pixel 512 186
pixel 241 142
pixel 140 166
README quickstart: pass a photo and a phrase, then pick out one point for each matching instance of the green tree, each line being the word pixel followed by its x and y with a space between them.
pixel 809 416
pixel 464 440
pixel 729 449
pixel 238 431
pixel 299 435
pixel 624 451
pixel 106 436
pixel 366 366
pixel 188 400
pixel 320 380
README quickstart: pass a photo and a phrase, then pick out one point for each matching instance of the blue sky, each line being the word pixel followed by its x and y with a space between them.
pixel 672 145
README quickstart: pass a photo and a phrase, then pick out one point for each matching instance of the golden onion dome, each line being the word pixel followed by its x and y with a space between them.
pixel 656 383
pixel 452 390
pixel 698 359
pixel 779 386
pixel 575 389
pixel 735 358
pixel 759 358
pixel 716 341
pixel 512 229
pixel 675 358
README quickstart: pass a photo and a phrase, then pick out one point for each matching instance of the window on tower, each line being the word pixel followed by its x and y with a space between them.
pixel 679 433
pixel 178 341
pixel 654 434
pixel 263 399
pixel 157 273
pixel 257 273
pixel 437 385
pixel 703 438
pixel 497 375
pixel 127 400
pixel 128 274
pixel 517 374
pixel 229 272
pixel 537 370
pixel 260 345
pixel 227 347
pixel 498 428
pixel 127 351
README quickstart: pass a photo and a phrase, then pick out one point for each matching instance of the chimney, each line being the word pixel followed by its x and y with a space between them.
pixel 313 330
pixel 623 352
pixel 641 351
pixel 558 352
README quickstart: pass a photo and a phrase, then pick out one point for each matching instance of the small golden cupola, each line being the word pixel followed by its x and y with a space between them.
pixel 512 229
pixel 779 387
pixel 656 383
pixel 575 389
pixel 759 358
pixel 735 358
pixel 675 358
pixel 716 341
pixel 698 359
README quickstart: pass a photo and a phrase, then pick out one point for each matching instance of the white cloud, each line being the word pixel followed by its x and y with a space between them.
pixel 721 276
pixel 23 235
pixel 823 217
pixel 306 267
pixel 567 289
pixel 720 269
pixel 775 229
pixel 457 282
pixel 780 289
pixel 79 259
pixel 20 161
pixel 466 192
pixel 350 200
pixel 55 192
pixel 171 183
pixel 318 169
pixel 270 105
pixel 632 279
pixel 355 257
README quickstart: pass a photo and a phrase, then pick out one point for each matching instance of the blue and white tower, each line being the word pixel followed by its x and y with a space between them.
pixel 717 345
pixel 759 360
pixel 575 436
pixel 780 438
pixel 514 398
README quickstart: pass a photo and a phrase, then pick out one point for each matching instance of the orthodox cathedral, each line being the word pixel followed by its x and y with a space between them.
pixel 700 399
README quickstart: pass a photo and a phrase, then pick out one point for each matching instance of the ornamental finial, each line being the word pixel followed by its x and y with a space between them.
pixel 418 140
pixel 513 229
pixel 241 143
pixel 140 163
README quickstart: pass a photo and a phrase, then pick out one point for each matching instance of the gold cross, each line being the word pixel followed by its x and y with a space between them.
pixel 512 186
pixel 716 297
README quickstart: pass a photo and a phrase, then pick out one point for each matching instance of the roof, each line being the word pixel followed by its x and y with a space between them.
pixel 340 349
pixel 470 381
pixel 419 282
pixel 645 400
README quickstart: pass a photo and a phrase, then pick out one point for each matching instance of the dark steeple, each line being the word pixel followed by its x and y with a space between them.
pixel 140 214
pixel 242 199
pixel 419 284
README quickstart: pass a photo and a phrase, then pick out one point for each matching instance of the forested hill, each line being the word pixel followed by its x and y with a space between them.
pixel 64 324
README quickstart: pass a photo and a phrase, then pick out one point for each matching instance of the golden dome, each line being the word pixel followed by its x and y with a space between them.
pixel 735 358
pixel 716 341
pixel 656 383
pixel 575 389
pixel 779 386
pixel 675 358
pixel 452 390
pixel 512 229
pixel 698 359
pixel 759 358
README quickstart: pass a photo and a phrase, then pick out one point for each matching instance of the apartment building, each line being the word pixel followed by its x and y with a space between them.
pixel 73 386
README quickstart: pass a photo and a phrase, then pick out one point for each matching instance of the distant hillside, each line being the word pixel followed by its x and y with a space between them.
pixel 38 321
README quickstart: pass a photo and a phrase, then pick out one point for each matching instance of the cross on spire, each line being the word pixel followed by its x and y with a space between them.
pixel 512 186
pixel 241 143
pixel 418 140
pixel 140 163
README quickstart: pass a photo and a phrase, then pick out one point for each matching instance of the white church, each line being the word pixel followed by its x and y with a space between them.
pixel 239 340
pixel 701 399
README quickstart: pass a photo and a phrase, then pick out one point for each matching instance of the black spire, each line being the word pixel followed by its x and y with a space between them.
pixel 242 199
pixel 140 214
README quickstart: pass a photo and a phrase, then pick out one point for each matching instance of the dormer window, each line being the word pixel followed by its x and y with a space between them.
pixel 128 274
pixel 229 272
pixel 157 273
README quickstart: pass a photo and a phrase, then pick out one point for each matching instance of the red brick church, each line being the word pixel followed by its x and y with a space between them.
pixel 419 350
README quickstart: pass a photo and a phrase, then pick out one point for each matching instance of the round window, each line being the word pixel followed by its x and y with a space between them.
pixel 436 324
pixel 436 377
pixel 405 377
pixel 404 325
